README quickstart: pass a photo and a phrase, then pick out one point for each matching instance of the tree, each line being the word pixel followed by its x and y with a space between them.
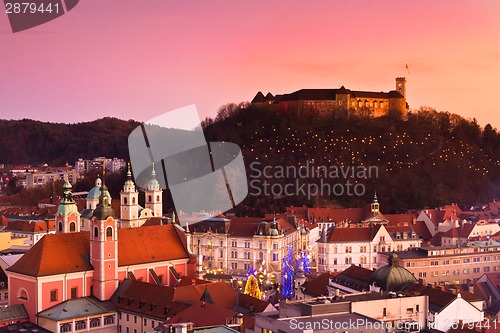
pixel 252 287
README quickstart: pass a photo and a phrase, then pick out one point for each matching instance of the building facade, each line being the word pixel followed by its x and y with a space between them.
pixel 450 264
pixel 325 102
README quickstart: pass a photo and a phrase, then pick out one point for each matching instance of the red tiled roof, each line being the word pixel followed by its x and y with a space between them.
pixel 400 219
pixel 220 292
pixel 464 231
pixel 147 299
pixel 353 234
pixel 356 272
pixel 206 314
pixel 190 281
pixel 421 230
pixel 438 297
pixel 135 246
pixel 30 226
pixel 149 244
pixel 318 286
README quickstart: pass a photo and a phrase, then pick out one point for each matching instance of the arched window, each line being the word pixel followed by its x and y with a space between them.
pixel 125 200
pixel 22 294
pixel 375 105
pixel 360 104
pixel 96 231
pixel 150 198
pixel 133 201
pixel 109 232
pixel 60 226
pixel 158 198
pixel 72 226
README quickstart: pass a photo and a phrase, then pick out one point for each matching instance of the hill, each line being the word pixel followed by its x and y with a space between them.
pixel 30 141
pixel 429 160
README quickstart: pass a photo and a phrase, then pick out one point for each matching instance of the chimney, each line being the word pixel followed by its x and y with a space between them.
pixel 453 291
pixel 422 282
pixel 414 220
pixel 443 288
pixel 471 288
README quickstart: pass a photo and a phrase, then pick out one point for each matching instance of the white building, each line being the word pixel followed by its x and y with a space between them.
pixel 342 247
pixel 233 246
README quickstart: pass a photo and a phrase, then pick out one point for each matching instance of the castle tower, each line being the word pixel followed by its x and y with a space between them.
pixel 129 203
pixel 401 85
pixel 67 216
pixel 104 248
pixel 375 206
pixel 154 195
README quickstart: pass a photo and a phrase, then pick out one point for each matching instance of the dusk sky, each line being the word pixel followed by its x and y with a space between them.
pixel 138 59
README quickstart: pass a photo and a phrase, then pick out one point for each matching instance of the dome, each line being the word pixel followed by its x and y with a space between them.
pixel 95 192
pixel 67 205
pixel 103 209
pixel 392 277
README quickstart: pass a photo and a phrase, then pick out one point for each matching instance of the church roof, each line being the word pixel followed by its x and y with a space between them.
pixel 77 308
pixel 135 246
pixel 392 277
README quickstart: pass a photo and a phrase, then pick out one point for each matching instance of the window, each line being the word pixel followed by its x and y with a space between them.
pixel 275 246
pixel 221 254
pixel 275 257
pixel 109 233
pixel 95 322
pixel 486 269
pixel 234 243
pixel 96 232
pixel 152 323
pixel 53 295
pixel 150 198
pixel 23 295
pixel 135 319
pixel 384 312
pixel 66 327
pixel 125 200
pixel 128 317
pixel 133 201
pixel 74 292
pixel 109 320
pixel 422 274
pixel 476 270
pixel 158 198
pixel 80 325
pixel 60 226
pixel 145 321
pixel 446 262
pixel 434 263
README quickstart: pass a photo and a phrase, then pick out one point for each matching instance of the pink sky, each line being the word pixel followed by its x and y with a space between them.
pixel 138 59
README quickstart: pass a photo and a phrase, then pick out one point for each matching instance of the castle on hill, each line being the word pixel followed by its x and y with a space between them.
pixel 342 101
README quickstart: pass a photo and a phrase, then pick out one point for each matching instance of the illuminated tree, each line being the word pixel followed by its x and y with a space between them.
pixel 252 287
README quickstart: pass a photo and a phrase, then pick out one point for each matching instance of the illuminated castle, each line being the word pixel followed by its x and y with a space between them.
pixel 326 102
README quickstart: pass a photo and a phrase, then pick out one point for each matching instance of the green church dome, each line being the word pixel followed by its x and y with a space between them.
pixel 392 277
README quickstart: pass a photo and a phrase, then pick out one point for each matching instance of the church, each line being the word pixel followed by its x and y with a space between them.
pixel 91 253
pixel 338 102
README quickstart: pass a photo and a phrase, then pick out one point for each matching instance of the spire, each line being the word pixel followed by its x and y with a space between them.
pixel 187 228
pixel 103 209
pixel 152 184
pixel 67 204
pixel 129 183
pixel 375 206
